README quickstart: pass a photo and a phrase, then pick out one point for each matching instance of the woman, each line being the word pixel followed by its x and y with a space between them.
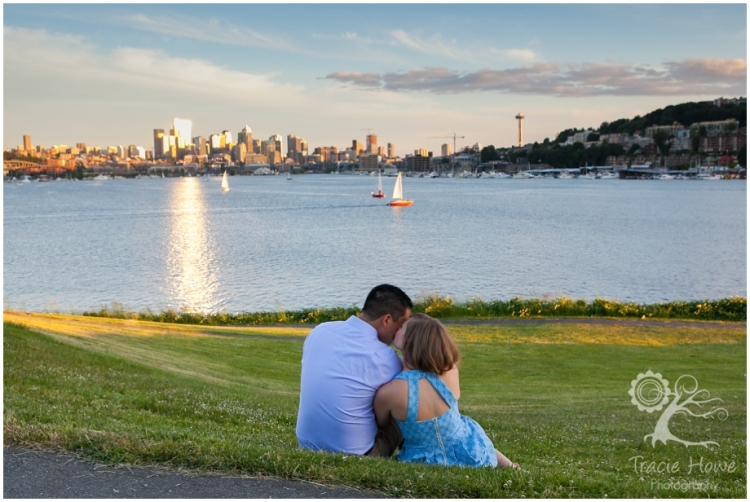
pixel 423 401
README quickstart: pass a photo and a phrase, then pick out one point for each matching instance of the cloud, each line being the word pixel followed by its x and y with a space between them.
pixel 75 67
pixel 526 55
pixel 688 77
pixel 434 45
pixel 210 30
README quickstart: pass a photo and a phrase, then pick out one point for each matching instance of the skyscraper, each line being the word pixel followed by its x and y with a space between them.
pixel 245 136
pixel 372 143
pixel 27 142
pixel 445 150
pixel 158 143
pixel 391 150
pixel 200 145
pixel 182 128
pixel 293 144
pixel 276 140
pixel 357 146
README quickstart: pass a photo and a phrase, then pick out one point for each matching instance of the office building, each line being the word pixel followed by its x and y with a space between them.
pixel 201 148
pixel 357 147
pixel 445 150
pixel 214 142
pixel 160 145
pixel 391 150
pixel 239 152
pixel 182 128
pixel 27 142
pixel 369 162
pixel 227 137
pixel 419 162
pixel 246 136
pixel 276 140
pixel 372 143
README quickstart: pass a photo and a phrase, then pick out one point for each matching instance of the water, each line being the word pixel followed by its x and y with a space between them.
pixel 322 241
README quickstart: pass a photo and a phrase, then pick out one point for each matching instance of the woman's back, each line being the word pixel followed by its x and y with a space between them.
pixel 434 431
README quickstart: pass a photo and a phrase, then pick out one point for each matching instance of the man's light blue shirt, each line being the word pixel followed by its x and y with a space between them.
pixel 343 365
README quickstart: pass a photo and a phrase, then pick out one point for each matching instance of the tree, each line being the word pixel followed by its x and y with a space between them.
pixel 660 138
pixel 742 156
pixel 634 148
pixel 489 154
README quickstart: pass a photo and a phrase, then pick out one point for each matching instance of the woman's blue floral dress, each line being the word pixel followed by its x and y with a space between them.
pixel 450 439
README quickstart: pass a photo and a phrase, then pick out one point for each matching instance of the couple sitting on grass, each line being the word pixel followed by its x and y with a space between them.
pixel 358 397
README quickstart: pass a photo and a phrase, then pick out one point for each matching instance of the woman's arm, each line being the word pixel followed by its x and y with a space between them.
pixel 450 378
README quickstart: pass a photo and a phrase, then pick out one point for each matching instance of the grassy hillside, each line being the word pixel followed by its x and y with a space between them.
pixel 553 398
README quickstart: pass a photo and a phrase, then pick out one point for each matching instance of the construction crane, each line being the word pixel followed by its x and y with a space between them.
pixel 453 156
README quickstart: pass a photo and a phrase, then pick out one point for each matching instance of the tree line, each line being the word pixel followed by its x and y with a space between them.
pixel 576 155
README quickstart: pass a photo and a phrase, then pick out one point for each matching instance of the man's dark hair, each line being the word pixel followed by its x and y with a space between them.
pixel 386 299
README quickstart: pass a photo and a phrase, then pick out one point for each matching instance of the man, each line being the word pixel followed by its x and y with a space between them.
pixel 343 365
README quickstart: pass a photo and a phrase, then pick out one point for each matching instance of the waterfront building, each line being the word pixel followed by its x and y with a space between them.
pixel 255 158
pixel 419 162
pixel 369 162
pixel 327 153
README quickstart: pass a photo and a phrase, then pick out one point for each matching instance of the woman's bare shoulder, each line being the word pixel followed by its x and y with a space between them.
pixel 450 378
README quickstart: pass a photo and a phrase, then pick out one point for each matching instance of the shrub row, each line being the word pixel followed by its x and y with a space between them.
pixel 442 307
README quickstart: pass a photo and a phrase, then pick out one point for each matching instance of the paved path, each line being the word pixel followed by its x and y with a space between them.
pixel 39 474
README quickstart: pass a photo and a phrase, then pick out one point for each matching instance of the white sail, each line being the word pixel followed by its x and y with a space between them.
pixel 398 191
pixel 380 183
pixel 225 182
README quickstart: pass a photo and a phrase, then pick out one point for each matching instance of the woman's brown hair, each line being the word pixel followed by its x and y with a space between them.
pixel 428 346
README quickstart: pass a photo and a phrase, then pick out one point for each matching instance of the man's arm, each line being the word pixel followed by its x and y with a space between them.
pixel 381 405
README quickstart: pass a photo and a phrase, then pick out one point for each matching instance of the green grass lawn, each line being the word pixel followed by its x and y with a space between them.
pixel 552 397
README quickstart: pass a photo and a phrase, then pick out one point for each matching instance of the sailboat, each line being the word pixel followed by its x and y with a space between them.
pixel 289 176
pixel 379 194
pixel 398 194
pixel 225 182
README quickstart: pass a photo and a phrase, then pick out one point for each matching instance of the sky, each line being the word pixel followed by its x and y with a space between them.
pixel 108 74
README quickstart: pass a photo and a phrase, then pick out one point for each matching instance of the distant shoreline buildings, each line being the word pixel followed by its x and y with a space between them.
pixel 177 148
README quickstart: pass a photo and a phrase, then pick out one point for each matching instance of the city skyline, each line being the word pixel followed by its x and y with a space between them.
pixel 110 74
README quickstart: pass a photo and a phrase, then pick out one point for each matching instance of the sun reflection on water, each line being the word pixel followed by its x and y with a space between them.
pixel 192 283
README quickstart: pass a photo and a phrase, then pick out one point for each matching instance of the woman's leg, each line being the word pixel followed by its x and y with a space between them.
pixel 503 462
